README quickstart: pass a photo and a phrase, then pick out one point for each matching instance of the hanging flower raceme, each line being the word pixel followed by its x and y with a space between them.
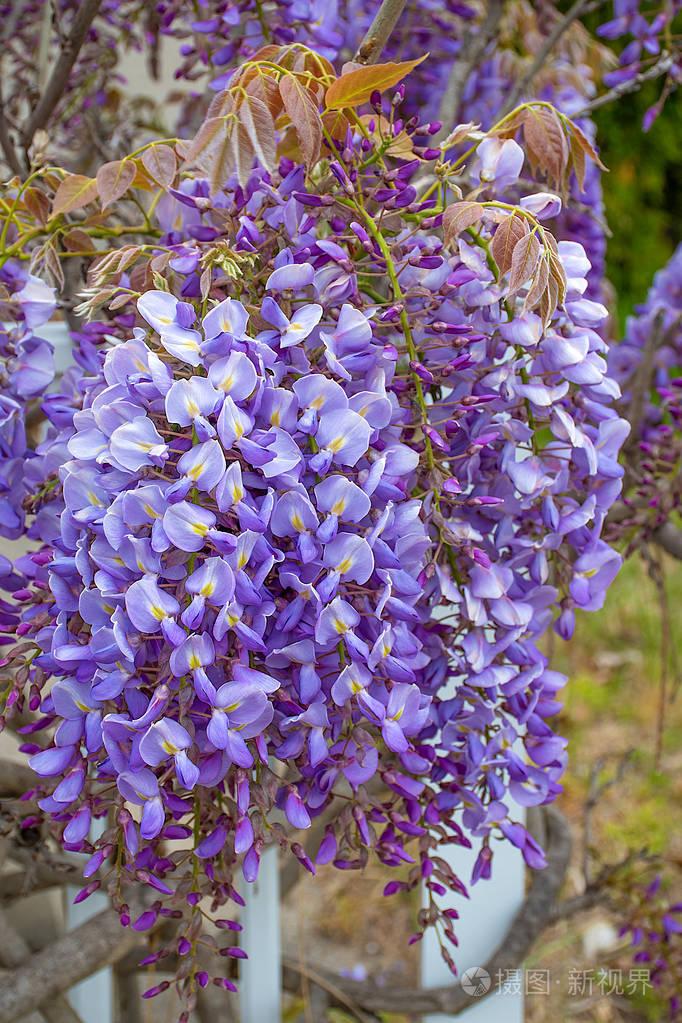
pixel 305 525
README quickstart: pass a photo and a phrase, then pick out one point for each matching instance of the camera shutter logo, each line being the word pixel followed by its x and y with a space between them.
pixel 475 981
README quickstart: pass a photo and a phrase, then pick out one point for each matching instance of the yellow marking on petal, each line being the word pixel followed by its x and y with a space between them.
pixel 208 589
pixel 296 326
pixel 168 746
pixel 318 403
pixel 81 706
pixel 194 662
pixel 195 473
pixel 385 650
pixel 345 566
pixel 243 560
pixel 158 612
pixel 232 619
pixel 94 500
pixel 166 319
pixel 356 687
pixel 199 528
pixel 140 365
pixel 151 512
pixel 227 326
pixel 340 626
pixel 237 494
pixel 297 522
pixel 339 506
pixel 227 383
pixel 192 407
pixel 336 444
pixel 274 418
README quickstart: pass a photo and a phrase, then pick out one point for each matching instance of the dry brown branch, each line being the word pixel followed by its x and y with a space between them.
pixel 574 12
pixel 661 67
pixel 474 45
pixel 378 33
pixel 54 90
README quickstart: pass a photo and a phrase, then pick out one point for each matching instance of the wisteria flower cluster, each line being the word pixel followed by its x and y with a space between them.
pixel 26 304
pixel 337 454
pixel 304 526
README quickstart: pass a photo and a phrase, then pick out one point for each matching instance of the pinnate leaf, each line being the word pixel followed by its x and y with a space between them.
pixel 512 229
pixel 160 163
pixel 546 142
pixel 258 123
pixel 357 86
pixel 459 216
pixel 74 192
pixel 114 179
pixel 524 261
pixel 303 113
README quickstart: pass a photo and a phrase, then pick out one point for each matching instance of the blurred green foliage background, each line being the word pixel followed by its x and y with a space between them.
pixel 642 191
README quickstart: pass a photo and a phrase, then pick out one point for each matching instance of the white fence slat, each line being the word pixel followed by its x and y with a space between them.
pixel 261 974
pixel 93 998
pixel 484 920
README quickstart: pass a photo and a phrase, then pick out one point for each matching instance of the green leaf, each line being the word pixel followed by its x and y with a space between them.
pixel 356 87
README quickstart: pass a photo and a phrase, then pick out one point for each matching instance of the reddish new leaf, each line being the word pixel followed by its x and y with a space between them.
pixel 160 163
pixel 74 192
pixel 260 129
pixel 585 144
pixel 537 288
pixel 37 204
pixel 459 216
pixel 578 154
pixel 78 241
pixel 545 142
pixel 509 125
pixel 356 87
pixel 524 261
pixel 114 179
pixel 302 111
pixel 512 229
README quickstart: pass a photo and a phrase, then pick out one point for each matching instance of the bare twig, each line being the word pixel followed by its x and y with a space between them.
pixel 378 33
pixel 661 67
pixel 473 47
pixel 54 89
pixel 574 12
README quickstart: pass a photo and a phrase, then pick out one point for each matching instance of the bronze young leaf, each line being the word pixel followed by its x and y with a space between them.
pixel 356 87
pixel 114 179
pixel 512 229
